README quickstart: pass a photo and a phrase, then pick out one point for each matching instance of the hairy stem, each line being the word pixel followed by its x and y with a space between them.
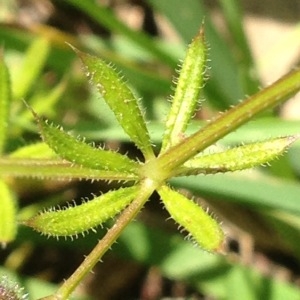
pixel 63 293
pixel 56 169
pixel 278 92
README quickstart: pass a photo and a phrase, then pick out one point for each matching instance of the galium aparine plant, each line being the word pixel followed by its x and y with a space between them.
pixel 180 155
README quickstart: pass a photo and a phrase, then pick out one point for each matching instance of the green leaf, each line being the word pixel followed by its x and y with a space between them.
pixel 120 99
pixel 78 152
pixel 182 15
pixel 8 222
pixel 234 19
pixel 238 158
pixel 203 228
pixel 224 88
pixel 278 92
pixel 288 226
pixel 70 221
pixel 105 17
pixel 32 66
pixel 5 99
pixel 187 93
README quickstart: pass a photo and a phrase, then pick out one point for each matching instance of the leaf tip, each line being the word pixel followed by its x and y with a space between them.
pixel 201 32
pixel 293 138
pixel 72 47
pixel 35 115
pixel 203 228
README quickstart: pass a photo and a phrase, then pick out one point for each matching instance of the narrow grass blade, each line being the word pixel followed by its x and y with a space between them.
pixel 233 17
pixel 33 63
pixel 104 16
pixel 5 99
pixel 255 191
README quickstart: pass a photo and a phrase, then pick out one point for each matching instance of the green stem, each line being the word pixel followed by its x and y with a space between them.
pixel 56 169
pixel 147 188
pixel 278 92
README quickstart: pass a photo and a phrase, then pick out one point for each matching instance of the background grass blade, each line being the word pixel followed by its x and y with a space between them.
pixel 5 99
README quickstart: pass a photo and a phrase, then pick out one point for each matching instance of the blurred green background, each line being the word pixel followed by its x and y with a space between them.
pixel 252 43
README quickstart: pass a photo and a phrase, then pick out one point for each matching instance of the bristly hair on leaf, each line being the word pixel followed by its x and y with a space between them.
pixel 180 155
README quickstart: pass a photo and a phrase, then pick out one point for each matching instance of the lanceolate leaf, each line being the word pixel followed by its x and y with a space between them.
pixel 238 158
pixel 40 161
pixel 70 221
pixel 78 152
pixel 278 92
pixel 5 97
pixel 120 99
pixel 203 228
pixel 187 93
pixel 8 222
